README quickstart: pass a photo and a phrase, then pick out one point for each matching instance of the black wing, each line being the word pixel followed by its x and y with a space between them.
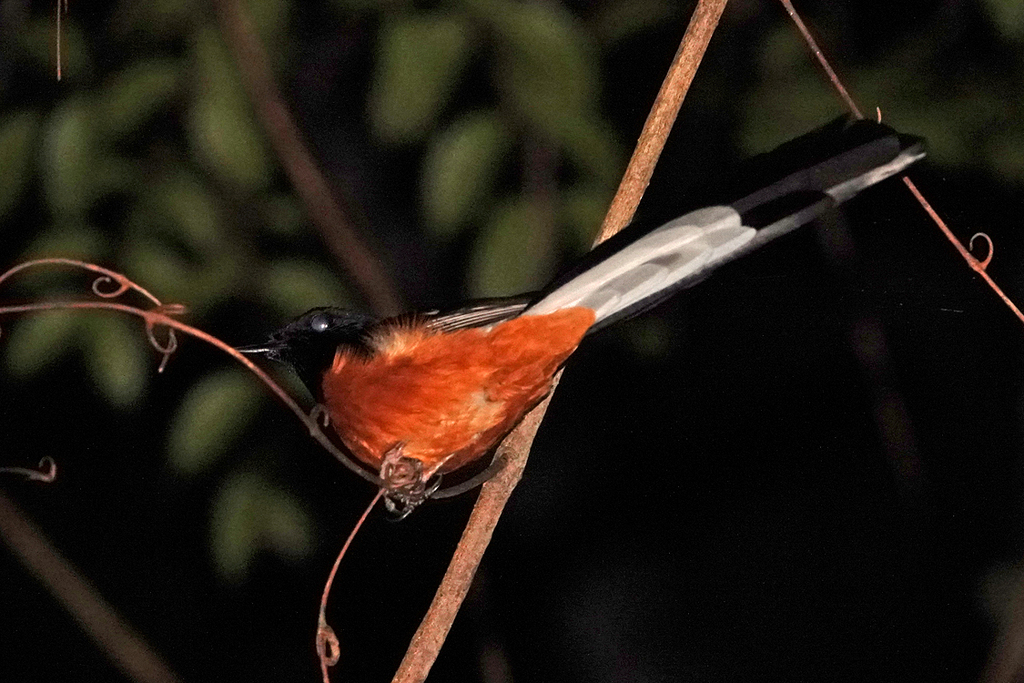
pixel 477 313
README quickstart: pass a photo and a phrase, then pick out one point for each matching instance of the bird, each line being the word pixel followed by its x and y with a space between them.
pixel 417 396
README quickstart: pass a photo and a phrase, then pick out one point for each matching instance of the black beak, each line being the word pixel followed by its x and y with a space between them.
pixel 268 349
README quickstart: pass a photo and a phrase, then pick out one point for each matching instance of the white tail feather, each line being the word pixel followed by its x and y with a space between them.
pixel 656 261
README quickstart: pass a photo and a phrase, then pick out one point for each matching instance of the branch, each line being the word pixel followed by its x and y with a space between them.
pixel 125 647
pixel 515 449
pixel 335 229
pixel 663 115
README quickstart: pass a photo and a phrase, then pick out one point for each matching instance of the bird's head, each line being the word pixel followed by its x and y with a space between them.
pixel 309 343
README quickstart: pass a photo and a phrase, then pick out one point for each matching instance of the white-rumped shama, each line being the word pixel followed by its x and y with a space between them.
pixel 418 395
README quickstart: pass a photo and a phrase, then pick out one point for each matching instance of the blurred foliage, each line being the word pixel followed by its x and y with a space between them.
pixel 1008 16
pixel 507 237
pixel 968 116
pixel 16 133
pixel 545 81
pixel 459 170
pixel 420 59
pixel 222 127
pixel 212 415
pixel 251 514
pixel 148 158
pixel 41 340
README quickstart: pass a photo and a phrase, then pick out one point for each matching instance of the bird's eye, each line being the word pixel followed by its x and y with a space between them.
pixel 319 323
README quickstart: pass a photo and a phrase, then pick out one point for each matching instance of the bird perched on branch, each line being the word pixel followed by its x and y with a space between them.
pixel 422 394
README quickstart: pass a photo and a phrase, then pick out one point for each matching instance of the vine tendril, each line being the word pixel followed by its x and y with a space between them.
pixel 45 472
pixel 991 248
pixel 160 316
pixel 121 284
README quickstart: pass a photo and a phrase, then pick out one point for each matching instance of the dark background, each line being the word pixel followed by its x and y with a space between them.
pixel 805 468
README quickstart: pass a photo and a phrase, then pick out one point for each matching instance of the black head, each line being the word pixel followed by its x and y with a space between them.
pixel 308 343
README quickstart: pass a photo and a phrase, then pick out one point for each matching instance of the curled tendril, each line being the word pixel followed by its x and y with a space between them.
pixel 101 282
pixel 327 646
pixel 106 277
pixel 160 316
pixel 166 349
pixel 320 415
pixel 991 248
pixel 110 285
pixel 46 472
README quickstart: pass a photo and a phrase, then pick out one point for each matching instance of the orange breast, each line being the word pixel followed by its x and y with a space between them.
pixel 447 396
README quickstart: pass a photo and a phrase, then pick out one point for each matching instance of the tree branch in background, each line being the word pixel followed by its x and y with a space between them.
pixel 515 449
pixel 309 183
pixel 125 648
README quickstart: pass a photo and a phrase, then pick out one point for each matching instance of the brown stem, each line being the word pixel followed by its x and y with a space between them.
pixel 976 265
pixel 125 648
pixel 515 449
pixel 335 229
pixel 663 115
pixel 820 56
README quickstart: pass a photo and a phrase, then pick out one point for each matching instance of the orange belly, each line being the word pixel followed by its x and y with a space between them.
pixel 447 396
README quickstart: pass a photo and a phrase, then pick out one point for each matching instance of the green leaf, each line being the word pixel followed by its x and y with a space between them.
pixel 783 54
pixel 792 98
pixel 116 358
pixel 1008 16
pixel 419 62
pixel 459 170
pixel 282 215
pixel 251 514
pixel 69 156
pixel 158 18
pixel 176 278
pixel 175 241
pixel 294 287
pixel 271 19
pixel 550 69
pixel 76 169
pixel 591 144
pixel 165 271
pixel 514 253
pixel 551 73
pixel 17 138
pixel 214 413
pixel 1005 154
pixel 184 207
pixel 73 241
pixel 133 96
pixel 35 341
pixel 221 125
pixel 349 6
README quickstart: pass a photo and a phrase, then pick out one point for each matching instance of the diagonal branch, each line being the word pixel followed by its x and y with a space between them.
pixel 122 645
pixel 309 183
pixel 426 643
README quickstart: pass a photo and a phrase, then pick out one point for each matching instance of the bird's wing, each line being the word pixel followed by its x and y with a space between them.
pixel 477 313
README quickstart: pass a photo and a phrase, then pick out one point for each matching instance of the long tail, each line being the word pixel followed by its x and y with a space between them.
pixel 627 274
